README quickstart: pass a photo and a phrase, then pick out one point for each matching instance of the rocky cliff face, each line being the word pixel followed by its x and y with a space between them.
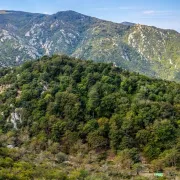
pixel 147 50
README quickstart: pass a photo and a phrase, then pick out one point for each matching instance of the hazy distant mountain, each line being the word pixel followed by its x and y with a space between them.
pixel 128 23
pixel 144 49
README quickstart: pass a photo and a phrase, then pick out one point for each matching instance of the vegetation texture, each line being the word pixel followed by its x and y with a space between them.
pixel 64 118
pixel 147 50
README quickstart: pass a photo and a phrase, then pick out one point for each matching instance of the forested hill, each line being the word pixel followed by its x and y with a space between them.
pixel 81 120
pixel 148 50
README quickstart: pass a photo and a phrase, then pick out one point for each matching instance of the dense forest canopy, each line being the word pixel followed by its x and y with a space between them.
pixel 60 109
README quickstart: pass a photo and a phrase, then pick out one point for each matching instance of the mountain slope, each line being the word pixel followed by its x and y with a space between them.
pixel 147 50
pixel 81 118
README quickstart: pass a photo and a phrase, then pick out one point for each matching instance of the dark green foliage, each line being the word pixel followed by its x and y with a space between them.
pixel 86 106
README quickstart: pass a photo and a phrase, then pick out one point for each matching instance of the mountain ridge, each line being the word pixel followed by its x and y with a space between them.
pixel 145 49
pixel 75 12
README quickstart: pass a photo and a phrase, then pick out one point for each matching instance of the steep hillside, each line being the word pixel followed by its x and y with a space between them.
pixel 64 118
pixel 147 50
